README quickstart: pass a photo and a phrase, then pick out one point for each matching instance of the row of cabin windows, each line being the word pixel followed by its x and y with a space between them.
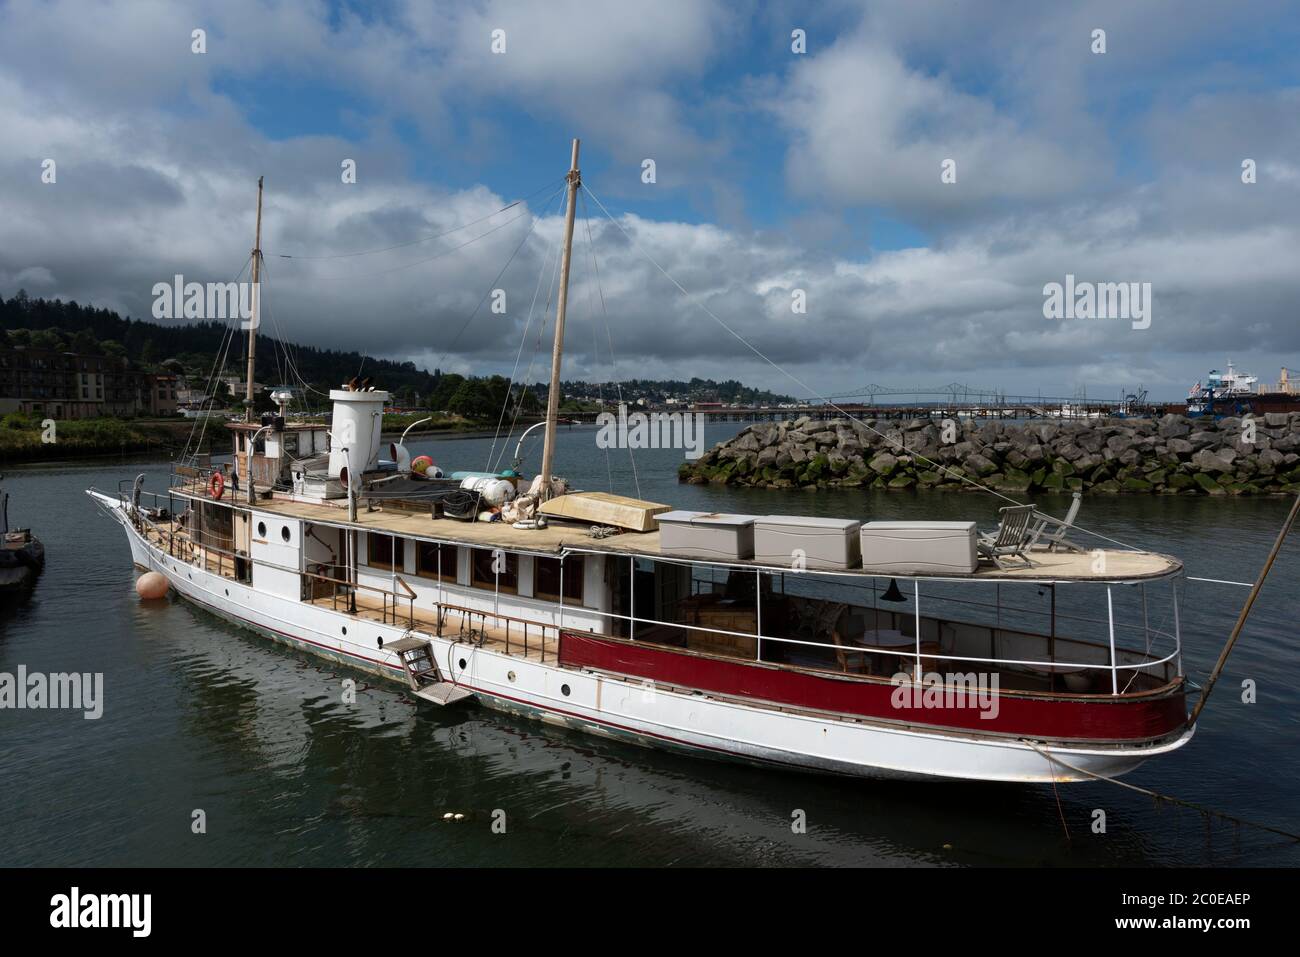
pixel 431 558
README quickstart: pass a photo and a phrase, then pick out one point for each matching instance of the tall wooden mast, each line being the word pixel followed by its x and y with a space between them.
pixel 553 395
pixel 257 295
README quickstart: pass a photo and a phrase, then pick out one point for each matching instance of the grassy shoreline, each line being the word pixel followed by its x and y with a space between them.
pixel 21 437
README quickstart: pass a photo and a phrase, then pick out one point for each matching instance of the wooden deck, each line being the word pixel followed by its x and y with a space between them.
pixel 532 641
pixel 557 538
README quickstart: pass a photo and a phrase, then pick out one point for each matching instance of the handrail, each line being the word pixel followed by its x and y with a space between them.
pixel 1154 634
pixel 1148 660
pixel 901 651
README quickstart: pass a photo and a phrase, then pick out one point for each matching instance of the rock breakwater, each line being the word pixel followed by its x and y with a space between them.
pixel 1172 455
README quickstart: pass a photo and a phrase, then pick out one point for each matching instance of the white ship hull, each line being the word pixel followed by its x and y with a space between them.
pixel 626 709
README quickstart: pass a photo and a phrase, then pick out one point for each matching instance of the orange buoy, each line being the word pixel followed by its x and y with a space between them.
pixel 217 484
pixel 152 585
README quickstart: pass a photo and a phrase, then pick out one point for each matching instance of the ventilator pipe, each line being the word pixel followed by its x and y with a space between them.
pixel 519 446
pixel 248 460
pixel 398 451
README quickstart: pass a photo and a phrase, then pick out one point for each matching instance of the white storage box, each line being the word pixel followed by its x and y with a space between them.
pixel 823 542
pixel 915 548
pixel 713 535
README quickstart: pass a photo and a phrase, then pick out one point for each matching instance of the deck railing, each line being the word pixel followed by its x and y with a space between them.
pixel 399 608
pixel 915 653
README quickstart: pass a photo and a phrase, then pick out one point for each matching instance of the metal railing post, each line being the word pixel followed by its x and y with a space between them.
pixel 916 601
pixel 1178 633
pixel 1110 620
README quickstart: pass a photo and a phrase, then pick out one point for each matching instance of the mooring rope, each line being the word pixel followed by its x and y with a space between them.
pixel 1051 758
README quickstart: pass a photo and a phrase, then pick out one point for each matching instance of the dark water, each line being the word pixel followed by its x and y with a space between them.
pixel 201 716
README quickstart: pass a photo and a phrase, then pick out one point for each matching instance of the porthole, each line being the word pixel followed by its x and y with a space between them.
pixel 511 675
pixel 227 592
pixel 564 690
pixel 284 532
pixel 462 664
pixel 261 529
pixel 381 642
pixel 345 629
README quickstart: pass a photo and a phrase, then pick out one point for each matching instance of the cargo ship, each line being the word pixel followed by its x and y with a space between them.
pixel 1233 393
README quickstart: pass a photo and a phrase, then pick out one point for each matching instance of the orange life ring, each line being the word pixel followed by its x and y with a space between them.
pixel 216 484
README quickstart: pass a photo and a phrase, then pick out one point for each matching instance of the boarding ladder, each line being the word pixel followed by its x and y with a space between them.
pixel 416 656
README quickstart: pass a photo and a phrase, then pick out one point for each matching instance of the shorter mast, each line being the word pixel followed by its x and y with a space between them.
pixel 252 326
pixel 557 351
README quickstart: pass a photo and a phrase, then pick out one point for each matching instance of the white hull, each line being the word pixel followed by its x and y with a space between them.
pixel 625 709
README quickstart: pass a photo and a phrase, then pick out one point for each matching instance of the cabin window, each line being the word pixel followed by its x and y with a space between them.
pixel 429 554
pixel 546 579
pixel 484 575
pixel 380 551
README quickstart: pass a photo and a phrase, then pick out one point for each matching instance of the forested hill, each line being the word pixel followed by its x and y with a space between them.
pixel 191 348
pixel 195 345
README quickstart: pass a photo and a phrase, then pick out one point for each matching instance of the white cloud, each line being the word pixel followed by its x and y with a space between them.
pixel 157 175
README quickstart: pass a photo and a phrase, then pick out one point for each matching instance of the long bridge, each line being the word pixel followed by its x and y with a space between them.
pixel 951 401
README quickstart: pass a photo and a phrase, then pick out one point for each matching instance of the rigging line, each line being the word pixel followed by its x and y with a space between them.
pixel 427 259
pixel 425 239
pixel 523 339
pixel 595 363
pixel 290 369
pixel 812 393
pixel 292 362
pixel 600 391
pixel 492 285
pixel 1161 797
pixel 609 337
pixel 223 356
pixel 541 331
pixel 222 349
pixel 595 355
pixel 537 344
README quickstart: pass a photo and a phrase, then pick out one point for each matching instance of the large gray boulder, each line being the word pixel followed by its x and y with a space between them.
pixel 1214 460
pixel 884 463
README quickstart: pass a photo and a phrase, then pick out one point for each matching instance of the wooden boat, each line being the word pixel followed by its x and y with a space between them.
pixel 1048 670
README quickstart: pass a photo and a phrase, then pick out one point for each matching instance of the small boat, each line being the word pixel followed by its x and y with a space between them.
pixel 22 556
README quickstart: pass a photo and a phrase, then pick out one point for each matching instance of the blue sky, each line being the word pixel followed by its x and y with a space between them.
pixel 777 173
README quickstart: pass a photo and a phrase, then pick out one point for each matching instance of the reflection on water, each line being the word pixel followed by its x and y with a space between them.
pixel 199 715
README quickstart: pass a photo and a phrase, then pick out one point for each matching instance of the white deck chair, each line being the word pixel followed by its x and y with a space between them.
pixel 1053 531
pixel 1015 536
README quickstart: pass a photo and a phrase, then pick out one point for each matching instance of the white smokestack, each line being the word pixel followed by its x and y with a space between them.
pixel 355 431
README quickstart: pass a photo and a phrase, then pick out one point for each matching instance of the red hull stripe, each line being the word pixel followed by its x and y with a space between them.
pixel 1120 719
pixel 496 694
